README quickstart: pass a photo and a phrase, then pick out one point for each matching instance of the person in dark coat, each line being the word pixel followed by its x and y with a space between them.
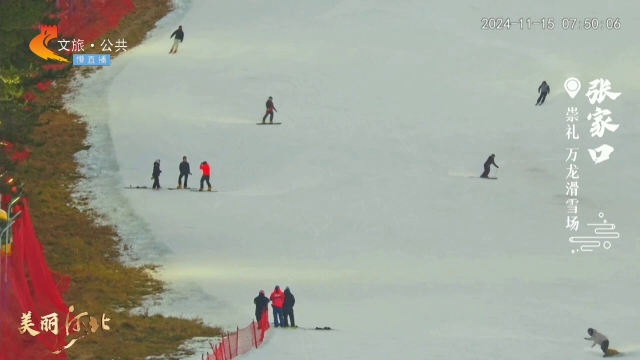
pixel 262 303
pixel 287 308
pixel 270 109
pixel 155 175
pixel 543 89
pixel 185 171
pixel 487 166
pixel 179 37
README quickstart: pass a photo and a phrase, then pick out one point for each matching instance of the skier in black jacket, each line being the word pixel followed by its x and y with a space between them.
pixel 287 308
pixel 487 166
pixel 543 89
pixel 185 171
pixel 270 109
pixel 261 302
pixel 179 34
pixel 155 175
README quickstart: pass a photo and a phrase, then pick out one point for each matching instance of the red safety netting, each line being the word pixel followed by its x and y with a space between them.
pixel 28 285
pixel 18 156
pixel 242 341
pixel 53 67
pixel 88 20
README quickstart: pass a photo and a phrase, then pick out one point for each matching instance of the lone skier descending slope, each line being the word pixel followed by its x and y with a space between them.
pixel 179 37
pixel 543 89
pixel 599 339
pixel 487 166
pixel 270 109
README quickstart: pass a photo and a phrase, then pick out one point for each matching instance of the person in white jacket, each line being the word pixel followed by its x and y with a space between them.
pixel 598 339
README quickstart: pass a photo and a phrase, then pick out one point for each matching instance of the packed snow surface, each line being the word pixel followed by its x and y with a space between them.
pixel 363 201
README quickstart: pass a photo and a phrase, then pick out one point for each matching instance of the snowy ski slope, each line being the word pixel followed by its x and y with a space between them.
pixel 361 200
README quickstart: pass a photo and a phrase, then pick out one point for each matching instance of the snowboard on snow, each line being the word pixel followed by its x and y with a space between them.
pixel 137 187
pixel 612 352
pixel 268 123
pixel 306 328
pixel 196 190
pixel 178 189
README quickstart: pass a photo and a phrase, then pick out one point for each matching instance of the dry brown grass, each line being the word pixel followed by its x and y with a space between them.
pixel 76 246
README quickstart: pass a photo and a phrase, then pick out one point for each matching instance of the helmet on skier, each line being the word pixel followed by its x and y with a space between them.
pixel 590 331
pixel 261 292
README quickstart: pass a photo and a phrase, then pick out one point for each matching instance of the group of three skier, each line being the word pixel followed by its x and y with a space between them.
pixel 282 303
pixel 185 171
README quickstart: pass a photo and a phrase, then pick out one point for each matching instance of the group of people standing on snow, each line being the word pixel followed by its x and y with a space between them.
pixel 282 303
pixel 185 171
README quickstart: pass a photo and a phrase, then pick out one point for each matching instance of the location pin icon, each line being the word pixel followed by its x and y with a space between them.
pixel 572 86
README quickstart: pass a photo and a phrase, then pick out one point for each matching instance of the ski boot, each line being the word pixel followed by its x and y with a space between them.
pixel 179 187
pixel 209 188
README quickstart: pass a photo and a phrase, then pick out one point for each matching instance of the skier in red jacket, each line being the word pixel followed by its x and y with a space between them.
pixel 206 173
pixel 277 301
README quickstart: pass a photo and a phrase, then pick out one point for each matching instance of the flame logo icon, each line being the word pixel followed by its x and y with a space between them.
pixel 39 43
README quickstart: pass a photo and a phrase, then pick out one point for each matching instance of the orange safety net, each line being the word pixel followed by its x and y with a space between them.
pixel 88 20
pixel 242 341
pixel 27 285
